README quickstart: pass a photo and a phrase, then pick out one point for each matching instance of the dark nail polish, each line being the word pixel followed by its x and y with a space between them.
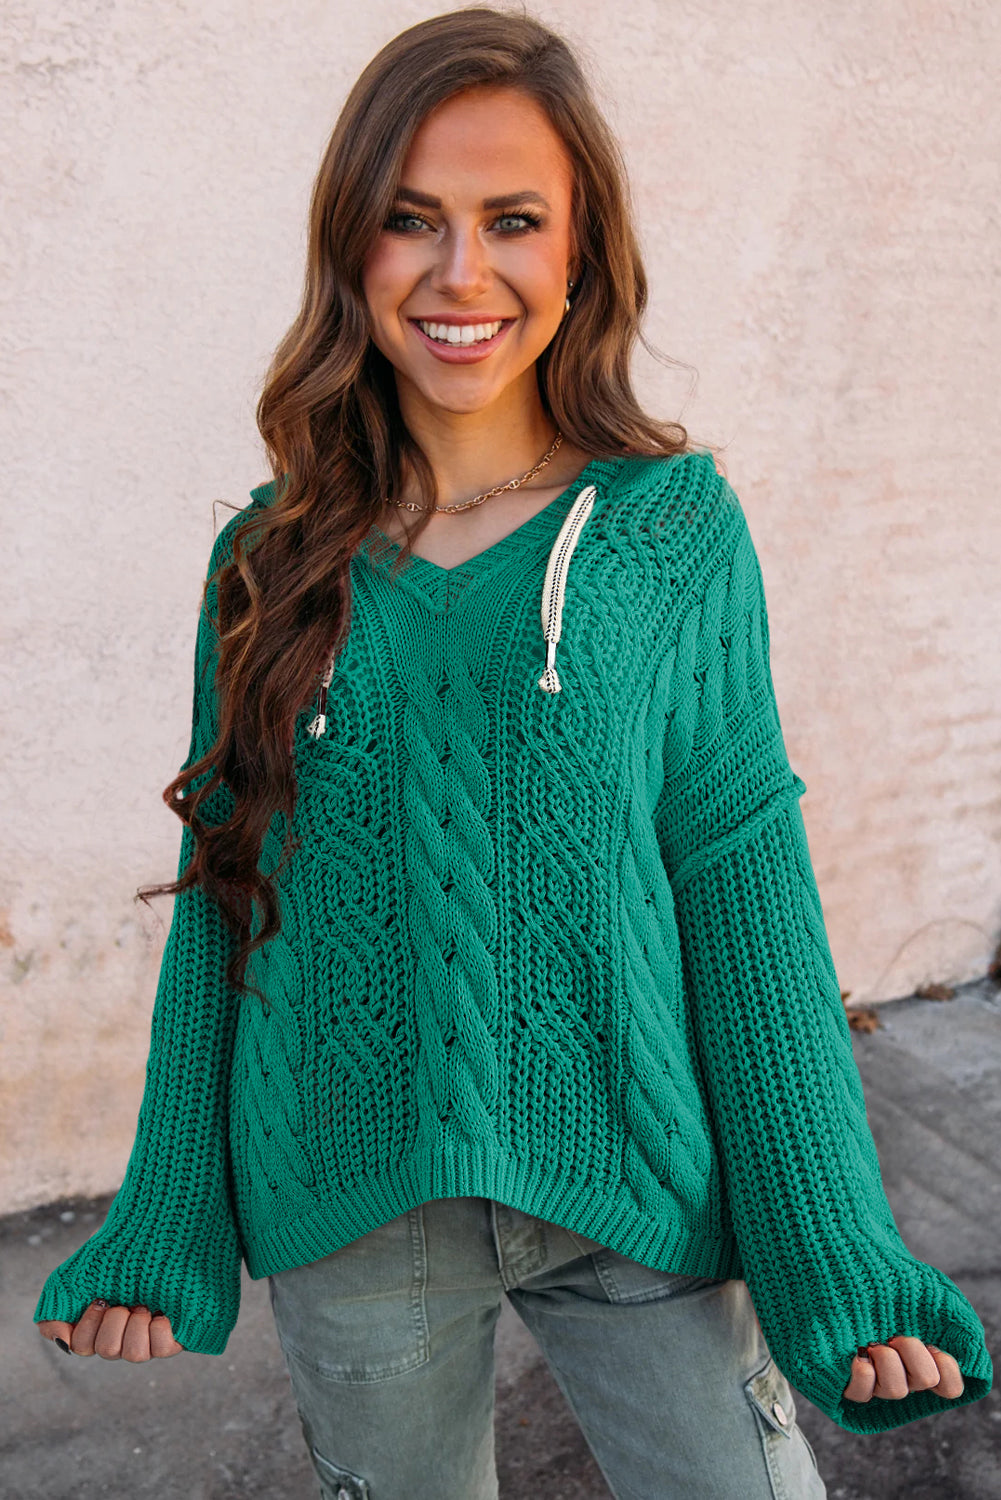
pixel 63 1345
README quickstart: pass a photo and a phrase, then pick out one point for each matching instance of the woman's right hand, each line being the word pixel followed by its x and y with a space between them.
pixel 132 1333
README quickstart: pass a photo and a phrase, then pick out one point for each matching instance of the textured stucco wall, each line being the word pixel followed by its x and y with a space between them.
pixel 817 189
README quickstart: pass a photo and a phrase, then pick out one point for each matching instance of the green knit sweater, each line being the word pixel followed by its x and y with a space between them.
pixel 552 936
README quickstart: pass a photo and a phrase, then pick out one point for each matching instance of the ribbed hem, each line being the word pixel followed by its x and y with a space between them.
pixel 465 1170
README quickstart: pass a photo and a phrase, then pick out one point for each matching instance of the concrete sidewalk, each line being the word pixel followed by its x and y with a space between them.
pixel 226 1429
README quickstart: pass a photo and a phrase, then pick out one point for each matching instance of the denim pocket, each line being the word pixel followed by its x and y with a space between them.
pixel 337 1483
pixel 792 1466
pixel 769 1393
pixel 359 1314
pixel 627 1280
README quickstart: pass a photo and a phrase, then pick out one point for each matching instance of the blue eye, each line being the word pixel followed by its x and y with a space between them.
pixel 394 220
pixel 532 220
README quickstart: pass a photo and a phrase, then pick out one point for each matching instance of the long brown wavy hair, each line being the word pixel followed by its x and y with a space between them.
pixel 335 439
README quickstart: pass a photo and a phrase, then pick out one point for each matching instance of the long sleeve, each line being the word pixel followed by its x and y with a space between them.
pixel 824 1261
pixel 169 1241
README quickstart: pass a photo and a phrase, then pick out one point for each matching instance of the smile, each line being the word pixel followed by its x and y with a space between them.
pixel 462 350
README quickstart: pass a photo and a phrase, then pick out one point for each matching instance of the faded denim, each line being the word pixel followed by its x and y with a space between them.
pixel 389 1344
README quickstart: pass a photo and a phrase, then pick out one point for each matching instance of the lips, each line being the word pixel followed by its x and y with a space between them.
pixel 462 353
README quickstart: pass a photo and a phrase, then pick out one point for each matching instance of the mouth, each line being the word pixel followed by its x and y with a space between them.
pixel 462 354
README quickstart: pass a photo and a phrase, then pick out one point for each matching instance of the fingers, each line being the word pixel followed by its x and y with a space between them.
pixel 105 1337
pixel 162 1343
pixel 130 1333
pixel 56 1332
pixel 951 1382
pixel 903 1364
pixel 135 1336
pixel 85 1329
pixel 863 1381
pixel 920 1372
pixel 891 1376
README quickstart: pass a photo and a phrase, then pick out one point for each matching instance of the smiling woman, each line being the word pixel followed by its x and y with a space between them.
pixel 485 977
pixel 477 283
pixel 488 276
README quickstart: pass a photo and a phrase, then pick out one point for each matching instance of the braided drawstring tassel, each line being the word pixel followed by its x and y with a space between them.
pixel 549 682
pixel 554 587
pixel 318 725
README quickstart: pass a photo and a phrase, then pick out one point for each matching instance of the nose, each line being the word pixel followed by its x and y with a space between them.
pixel 462 267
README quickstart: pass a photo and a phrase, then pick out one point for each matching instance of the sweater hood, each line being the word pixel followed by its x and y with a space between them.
pixel 553 592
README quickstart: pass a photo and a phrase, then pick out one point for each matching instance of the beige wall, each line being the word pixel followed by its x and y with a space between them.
pixel 817 190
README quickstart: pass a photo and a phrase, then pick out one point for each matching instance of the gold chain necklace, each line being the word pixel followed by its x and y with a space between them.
pixel 499 489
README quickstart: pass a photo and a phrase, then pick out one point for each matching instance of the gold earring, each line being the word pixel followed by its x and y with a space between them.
pixel 567 307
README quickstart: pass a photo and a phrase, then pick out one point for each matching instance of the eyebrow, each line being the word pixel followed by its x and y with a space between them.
pixel 505 200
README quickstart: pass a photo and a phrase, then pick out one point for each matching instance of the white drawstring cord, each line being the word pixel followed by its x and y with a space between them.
pixel 555 585
pixel 319 724
pixel 553 590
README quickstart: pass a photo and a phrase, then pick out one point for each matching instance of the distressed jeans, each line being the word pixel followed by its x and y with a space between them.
pixel 389 1344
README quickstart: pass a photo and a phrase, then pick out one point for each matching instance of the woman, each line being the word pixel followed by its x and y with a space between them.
pixel 497 963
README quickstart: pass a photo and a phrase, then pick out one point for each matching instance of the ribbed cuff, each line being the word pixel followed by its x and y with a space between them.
pixel 912 1298
pixel 201 1319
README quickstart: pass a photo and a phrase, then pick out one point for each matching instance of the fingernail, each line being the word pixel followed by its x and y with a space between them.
pixel 99 1302
pixel 63 1345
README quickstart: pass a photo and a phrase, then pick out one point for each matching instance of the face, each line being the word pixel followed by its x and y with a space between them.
pixel 457 260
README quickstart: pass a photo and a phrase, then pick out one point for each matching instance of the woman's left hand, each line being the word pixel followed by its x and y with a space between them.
pixel 900 1366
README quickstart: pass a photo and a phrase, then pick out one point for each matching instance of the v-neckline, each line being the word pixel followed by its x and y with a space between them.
pixel 498 550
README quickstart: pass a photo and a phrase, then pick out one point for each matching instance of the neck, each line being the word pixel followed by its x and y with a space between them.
pixel 473 453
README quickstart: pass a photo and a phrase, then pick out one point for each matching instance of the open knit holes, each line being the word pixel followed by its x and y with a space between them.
pixel 443 692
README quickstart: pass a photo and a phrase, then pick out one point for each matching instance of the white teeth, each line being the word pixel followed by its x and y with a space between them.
pixel 452 333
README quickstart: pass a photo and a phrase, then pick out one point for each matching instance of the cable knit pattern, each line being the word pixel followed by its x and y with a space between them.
pixel 560 948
